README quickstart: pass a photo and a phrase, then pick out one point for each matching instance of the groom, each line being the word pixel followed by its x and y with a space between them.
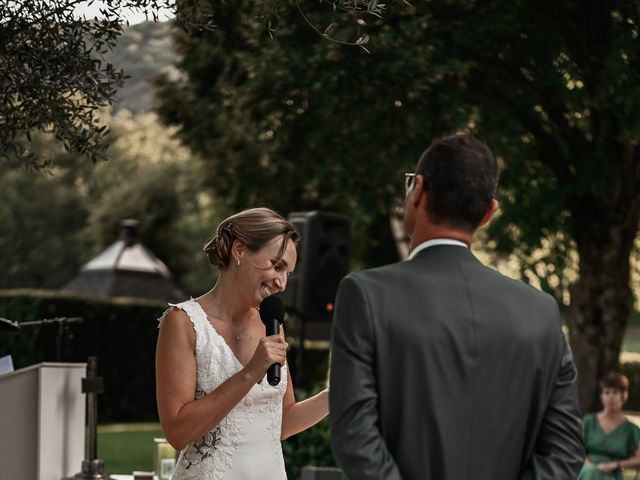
pixel 441 368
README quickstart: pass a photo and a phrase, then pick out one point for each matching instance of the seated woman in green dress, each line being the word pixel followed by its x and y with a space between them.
pixel 611 441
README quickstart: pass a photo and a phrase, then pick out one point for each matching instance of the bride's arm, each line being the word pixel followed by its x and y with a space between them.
pixel 298 416
pixel 183 418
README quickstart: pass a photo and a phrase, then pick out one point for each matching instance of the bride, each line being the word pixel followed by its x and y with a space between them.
pixel 214 402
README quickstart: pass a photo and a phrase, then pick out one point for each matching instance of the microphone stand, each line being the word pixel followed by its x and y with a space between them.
pixel 6 324
pixel 92 385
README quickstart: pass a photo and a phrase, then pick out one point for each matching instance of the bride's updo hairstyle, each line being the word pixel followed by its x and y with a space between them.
pixel 255 227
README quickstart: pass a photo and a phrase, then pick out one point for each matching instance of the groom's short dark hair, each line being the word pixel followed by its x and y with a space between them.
pixel 460 178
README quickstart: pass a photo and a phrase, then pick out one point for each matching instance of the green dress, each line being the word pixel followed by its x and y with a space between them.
pixel 618 444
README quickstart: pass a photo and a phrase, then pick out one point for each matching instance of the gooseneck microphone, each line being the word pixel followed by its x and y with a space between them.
pixel 272 315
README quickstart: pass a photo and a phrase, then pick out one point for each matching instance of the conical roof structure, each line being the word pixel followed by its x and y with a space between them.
pixel 126 269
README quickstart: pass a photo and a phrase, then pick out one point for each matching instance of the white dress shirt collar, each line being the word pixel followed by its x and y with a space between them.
pixel 433 242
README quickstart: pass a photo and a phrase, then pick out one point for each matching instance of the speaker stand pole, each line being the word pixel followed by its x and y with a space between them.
pixel 300 356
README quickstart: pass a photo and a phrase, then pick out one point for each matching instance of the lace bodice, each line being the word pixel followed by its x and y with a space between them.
pixel 246 444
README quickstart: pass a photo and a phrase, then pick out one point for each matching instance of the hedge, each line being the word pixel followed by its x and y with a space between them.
pixel 121 333
pixel 311 447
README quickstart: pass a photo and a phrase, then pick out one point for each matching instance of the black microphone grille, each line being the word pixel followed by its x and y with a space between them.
pixel 272 307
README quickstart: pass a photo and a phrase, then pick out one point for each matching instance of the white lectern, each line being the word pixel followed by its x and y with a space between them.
pixel 42 414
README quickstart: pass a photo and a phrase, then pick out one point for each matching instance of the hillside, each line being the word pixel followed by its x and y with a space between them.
pixel 143 51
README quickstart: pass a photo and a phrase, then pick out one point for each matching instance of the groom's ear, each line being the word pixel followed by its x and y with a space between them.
pixel 418 194
pixel 493 208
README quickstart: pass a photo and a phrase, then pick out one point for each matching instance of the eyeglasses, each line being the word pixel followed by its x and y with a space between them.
pixel 409 181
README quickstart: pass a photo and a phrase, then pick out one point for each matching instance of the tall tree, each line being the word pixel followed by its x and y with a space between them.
pixel 54 74
pixel 296 122
pixel 56 71
pixel 555 91
pixel 300 122
pixel 40 217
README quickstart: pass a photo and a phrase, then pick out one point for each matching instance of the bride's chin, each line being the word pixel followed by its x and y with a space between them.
pixel 259 298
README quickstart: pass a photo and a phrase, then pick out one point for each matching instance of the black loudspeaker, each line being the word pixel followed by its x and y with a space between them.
pixel 323 259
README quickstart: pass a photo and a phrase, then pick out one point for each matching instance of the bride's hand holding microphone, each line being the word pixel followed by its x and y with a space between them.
pixel 270 350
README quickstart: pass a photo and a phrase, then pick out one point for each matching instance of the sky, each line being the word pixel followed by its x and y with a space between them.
pixel 93 10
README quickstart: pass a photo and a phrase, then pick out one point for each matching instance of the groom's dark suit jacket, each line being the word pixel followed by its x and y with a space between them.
pixel 444 369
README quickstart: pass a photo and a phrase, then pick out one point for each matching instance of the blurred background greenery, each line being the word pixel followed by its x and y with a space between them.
pixel 323 106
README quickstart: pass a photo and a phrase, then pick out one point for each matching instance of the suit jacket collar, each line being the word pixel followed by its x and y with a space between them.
pixel 434 242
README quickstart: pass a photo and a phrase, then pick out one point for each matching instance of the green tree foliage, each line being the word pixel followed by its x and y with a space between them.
pixel 288 122
pixel 54 74
pixel 39 216
pixel 52 223
pixel 285 117
pixel 153 179
pixel 553 88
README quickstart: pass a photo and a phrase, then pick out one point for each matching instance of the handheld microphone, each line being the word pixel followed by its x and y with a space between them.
pixel 272 315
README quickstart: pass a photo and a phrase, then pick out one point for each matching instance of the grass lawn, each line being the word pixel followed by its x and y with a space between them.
pixel 127 447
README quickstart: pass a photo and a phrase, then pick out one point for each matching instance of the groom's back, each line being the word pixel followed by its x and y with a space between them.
pixel 442 369
pixel 465 361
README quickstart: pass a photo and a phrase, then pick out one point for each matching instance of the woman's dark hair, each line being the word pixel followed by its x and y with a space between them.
pixel 615 381
pixel 254 227
pixel 460 178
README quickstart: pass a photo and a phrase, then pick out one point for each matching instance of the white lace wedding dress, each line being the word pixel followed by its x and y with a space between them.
pixel 245 445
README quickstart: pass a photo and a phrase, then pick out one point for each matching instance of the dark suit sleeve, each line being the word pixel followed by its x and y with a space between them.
pixel 357 444
pixel 559 452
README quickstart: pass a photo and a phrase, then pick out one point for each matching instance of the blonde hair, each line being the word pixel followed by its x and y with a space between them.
pixel 255 227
